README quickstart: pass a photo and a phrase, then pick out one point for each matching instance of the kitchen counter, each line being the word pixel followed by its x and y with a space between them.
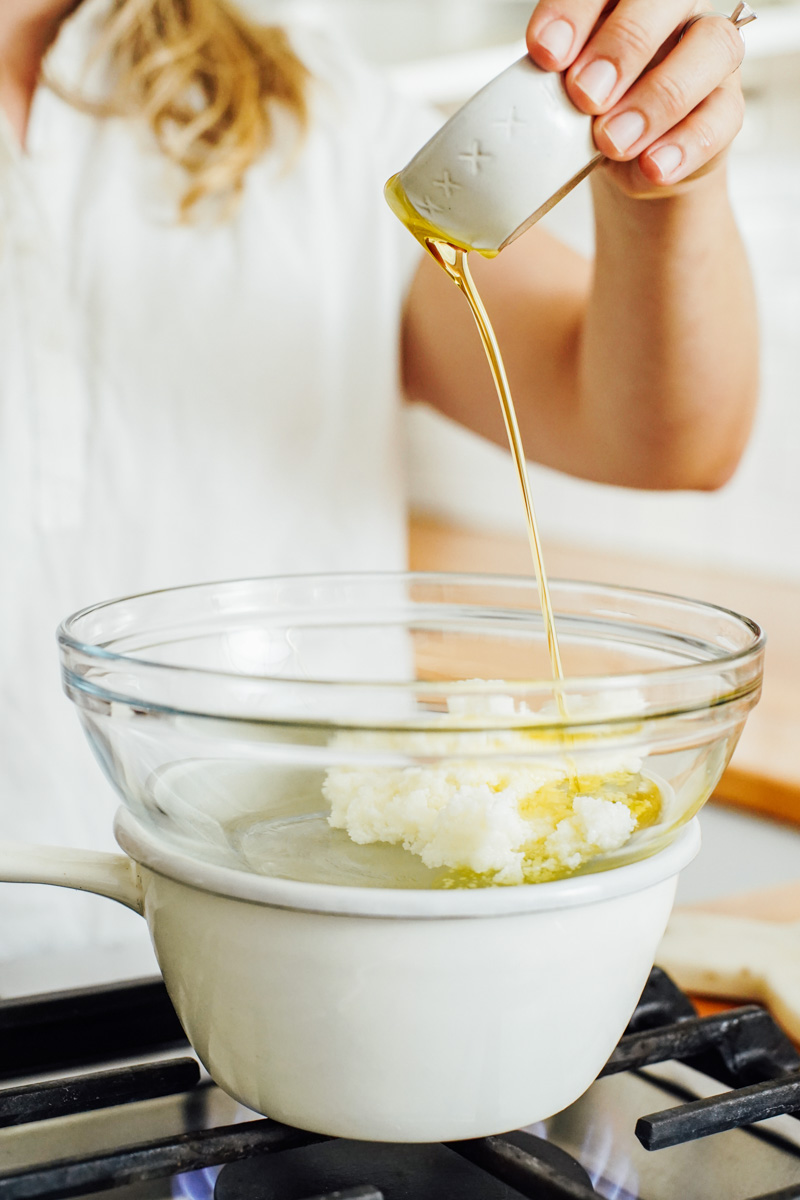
pixel 764 775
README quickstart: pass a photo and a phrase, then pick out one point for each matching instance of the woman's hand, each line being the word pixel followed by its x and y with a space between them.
pixel 666 107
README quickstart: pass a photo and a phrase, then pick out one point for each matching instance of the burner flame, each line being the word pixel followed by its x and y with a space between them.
pixel 195 1185
pixel 613 1175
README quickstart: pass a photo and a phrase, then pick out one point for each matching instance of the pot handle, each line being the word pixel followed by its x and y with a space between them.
pixel 112 875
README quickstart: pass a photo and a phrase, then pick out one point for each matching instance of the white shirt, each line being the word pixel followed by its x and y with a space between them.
pixel 180 403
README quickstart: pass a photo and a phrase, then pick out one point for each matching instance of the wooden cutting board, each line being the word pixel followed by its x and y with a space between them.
pixel 740 948
pixel 769 904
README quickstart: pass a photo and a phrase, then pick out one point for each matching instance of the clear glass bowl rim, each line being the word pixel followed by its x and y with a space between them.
pixel 740 658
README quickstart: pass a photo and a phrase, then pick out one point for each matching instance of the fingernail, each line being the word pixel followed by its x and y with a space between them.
pixel 667 159
pixel 597 80
pixel 624 129
pixel 557 39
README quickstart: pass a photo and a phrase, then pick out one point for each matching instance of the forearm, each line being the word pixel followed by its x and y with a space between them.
pixel 667 373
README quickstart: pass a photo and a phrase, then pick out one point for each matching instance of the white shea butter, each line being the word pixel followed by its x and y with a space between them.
pixel 525 819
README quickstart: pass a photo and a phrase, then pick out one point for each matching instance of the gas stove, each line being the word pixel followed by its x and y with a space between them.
pixel 101 1092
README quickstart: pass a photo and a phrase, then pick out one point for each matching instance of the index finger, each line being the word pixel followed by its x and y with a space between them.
pixel 628 34
pixel 558 30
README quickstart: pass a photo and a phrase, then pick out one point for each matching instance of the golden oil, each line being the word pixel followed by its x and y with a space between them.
pixel 553 804
pixel 452 258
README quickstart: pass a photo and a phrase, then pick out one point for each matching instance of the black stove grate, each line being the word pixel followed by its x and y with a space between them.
pixel 516 1165
pixel 44 1036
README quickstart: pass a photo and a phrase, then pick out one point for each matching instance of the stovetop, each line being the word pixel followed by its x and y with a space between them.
pixel 101 1092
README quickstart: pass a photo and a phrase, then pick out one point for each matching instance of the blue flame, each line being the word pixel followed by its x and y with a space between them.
pixel 599 1155
pixel 195 1185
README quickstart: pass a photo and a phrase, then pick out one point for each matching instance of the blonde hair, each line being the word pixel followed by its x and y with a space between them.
pixel 205 78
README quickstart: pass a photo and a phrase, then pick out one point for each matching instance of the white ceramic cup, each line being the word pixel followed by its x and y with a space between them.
pixel 503 160
pixel 382 1014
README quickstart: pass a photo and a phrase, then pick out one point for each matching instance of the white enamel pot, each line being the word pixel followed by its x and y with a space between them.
pixel 380 1014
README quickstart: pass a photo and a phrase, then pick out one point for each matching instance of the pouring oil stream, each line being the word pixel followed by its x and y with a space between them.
pixel 452 258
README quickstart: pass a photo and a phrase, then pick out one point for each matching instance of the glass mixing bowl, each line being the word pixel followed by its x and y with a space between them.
pixel 258 724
